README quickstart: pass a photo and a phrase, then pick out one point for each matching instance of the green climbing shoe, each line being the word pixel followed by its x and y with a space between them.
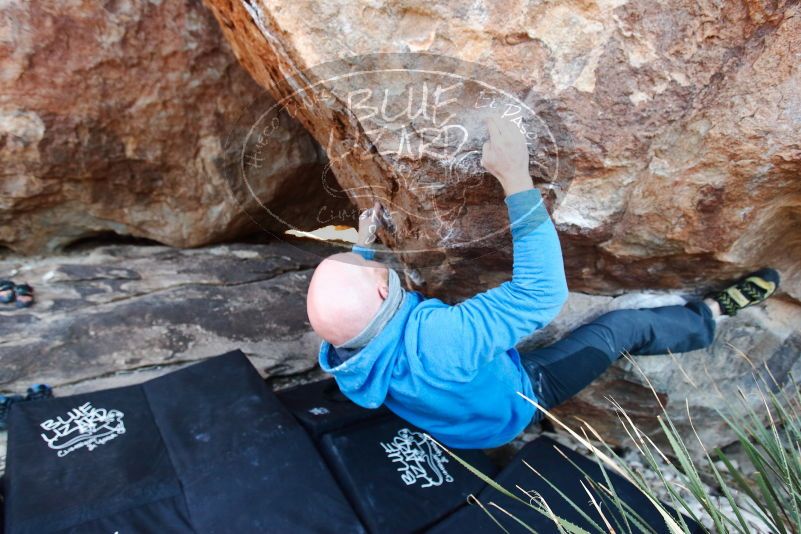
pixel 749 290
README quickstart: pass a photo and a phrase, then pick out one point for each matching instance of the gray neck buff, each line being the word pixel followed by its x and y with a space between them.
pixel 385 313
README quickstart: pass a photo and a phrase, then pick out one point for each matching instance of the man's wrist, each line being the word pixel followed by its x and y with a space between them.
pixel 364 251
pixel 516 182
pixel 510 189
pixel 526 210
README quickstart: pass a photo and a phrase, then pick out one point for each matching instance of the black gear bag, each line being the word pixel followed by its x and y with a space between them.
pixel 321 407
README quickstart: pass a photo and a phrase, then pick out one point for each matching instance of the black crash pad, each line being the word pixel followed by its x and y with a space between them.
pixel 321 407
pixel 396 478
pixel 208 448
pixel 542 455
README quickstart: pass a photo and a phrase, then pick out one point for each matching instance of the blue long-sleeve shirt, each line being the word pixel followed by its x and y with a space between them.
pixel 453 370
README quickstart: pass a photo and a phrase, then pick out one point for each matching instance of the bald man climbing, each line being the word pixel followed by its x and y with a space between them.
pixel 453 370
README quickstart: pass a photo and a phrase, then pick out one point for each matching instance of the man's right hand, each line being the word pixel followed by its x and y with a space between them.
pixel 505 155
pixel 369 222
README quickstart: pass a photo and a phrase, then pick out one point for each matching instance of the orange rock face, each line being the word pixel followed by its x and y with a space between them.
pixel 680 128
pixel 113 117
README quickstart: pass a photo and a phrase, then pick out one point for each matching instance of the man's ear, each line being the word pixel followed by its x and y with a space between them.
pixel 383 290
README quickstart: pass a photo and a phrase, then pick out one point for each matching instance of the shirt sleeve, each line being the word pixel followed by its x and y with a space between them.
pixel 474 331
pixel 365 252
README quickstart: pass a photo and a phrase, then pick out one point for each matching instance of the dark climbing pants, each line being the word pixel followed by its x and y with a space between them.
pixel 561 370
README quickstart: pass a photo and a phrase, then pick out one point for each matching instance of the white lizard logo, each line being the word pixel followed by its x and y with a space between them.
pixel 419 459
pixel 84 426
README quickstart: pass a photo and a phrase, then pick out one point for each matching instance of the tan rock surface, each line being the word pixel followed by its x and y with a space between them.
pixel 113 117
pixel 684 122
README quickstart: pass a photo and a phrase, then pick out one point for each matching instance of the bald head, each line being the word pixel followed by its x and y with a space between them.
pixel 345 293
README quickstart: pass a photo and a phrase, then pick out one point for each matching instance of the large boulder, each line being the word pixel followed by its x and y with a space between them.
pixel 113 118
pixel 674 129
pixel 679 123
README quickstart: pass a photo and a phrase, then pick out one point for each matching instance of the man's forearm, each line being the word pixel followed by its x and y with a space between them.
pixel 538 268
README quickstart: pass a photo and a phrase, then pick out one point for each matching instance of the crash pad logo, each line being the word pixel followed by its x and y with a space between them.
pixel 414 123
pixel 419 459
pixel 84 426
